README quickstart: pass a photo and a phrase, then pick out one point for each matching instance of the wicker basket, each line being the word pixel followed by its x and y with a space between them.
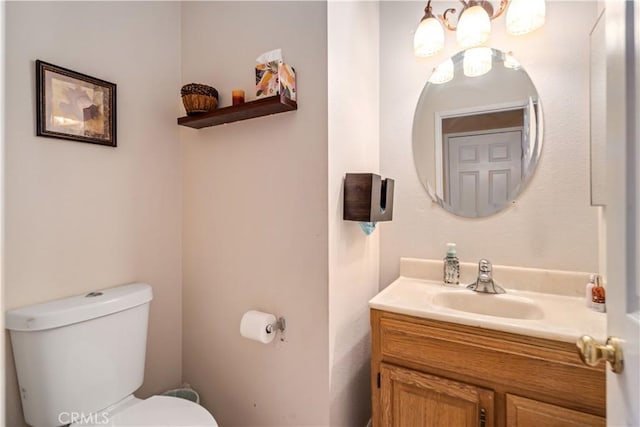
pixel 198 98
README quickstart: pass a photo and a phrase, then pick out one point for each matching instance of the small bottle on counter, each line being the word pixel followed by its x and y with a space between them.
pixel 451 266
pixel 588 296
pixel 598 299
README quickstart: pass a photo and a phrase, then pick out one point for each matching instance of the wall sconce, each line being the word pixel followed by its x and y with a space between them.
pixel 474 24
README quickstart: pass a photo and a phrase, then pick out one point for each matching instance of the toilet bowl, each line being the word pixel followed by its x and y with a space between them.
pixel 76 355
pixel 157 411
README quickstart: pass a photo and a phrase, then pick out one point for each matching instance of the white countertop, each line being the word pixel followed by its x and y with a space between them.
pixel 565 318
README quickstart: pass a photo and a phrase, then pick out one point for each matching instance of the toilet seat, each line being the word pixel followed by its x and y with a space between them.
pixel 159 411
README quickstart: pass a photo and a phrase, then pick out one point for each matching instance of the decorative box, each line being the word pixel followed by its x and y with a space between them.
pixel 275 78
pixel 367 198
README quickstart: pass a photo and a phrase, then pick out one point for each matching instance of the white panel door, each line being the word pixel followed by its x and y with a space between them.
pixel 622 209
pixel 483 170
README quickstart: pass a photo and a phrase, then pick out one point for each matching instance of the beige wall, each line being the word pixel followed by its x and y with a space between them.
pixel 551 225
pixel 2 209
pixel 353 257
pixel 81 216
pixel 261 227
pixel 255 219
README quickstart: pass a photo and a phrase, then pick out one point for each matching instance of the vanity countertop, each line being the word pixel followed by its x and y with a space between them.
pixel 564 318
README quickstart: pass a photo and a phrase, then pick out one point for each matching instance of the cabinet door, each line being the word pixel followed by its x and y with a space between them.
pixel 522 412
pixel 413 399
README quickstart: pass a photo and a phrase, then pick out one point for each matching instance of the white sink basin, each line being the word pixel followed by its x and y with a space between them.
pixel 546 303
pixel 503 305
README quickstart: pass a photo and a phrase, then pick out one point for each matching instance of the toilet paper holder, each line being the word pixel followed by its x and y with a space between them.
pixel 279 325
pixel 260 326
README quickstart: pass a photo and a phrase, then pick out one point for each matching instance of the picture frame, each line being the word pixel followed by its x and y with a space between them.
pixel 74 106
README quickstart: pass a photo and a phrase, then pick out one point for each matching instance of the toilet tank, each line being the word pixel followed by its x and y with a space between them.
pixel 80 354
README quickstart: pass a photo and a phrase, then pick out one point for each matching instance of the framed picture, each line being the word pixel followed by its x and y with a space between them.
pixel 75 106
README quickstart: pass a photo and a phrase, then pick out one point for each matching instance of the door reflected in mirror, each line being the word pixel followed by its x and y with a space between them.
pixel 477 132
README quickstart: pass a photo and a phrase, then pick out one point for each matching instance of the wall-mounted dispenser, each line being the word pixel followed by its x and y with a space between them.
pixel 367 198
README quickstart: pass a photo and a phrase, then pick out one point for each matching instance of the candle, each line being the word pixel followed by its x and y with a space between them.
pixel 237 96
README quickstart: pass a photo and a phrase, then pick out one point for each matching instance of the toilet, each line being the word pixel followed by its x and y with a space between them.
pixel 80 359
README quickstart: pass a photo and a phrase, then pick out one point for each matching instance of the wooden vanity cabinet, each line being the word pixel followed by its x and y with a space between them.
pixel 412 398
pixel 431 373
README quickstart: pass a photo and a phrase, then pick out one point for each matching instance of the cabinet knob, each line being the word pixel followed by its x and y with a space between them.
pixel 592 353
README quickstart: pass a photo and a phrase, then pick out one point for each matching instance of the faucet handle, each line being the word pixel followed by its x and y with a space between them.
pixel 484 265
pixel 484 283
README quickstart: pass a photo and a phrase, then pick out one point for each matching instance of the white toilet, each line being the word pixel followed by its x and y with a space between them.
pixel 80 359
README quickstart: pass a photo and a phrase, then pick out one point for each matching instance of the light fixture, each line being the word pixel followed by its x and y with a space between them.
pixel 474 27
pixel 474 24
pixel 511 62
pixel 525 16
pixel 429 37
pixel 443 73
pixel 477 61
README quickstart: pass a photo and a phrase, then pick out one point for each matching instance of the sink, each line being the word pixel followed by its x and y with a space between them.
pixel 503 305
pixel 544 304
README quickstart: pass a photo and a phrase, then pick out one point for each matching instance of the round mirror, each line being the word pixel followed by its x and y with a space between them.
pixel 477 132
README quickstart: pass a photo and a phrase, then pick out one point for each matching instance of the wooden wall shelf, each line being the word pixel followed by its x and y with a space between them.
pixel 248 110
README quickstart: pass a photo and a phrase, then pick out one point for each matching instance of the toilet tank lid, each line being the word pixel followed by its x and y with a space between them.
pixel 66 311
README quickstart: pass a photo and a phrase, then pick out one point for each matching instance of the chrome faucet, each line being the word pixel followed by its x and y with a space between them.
pixel 484 283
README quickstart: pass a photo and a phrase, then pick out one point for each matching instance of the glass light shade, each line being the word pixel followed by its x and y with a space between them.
pixel 524 16
pixel 477 61
pixel 511 62
pixel 442 73
pixel 474 27
pixel 429 38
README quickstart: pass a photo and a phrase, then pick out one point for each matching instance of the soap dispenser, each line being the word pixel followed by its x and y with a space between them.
pixel 451 266
pixel 588 297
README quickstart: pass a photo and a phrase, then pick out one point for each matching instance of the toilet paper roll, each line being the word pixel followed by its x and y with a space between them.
pixel 254 326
